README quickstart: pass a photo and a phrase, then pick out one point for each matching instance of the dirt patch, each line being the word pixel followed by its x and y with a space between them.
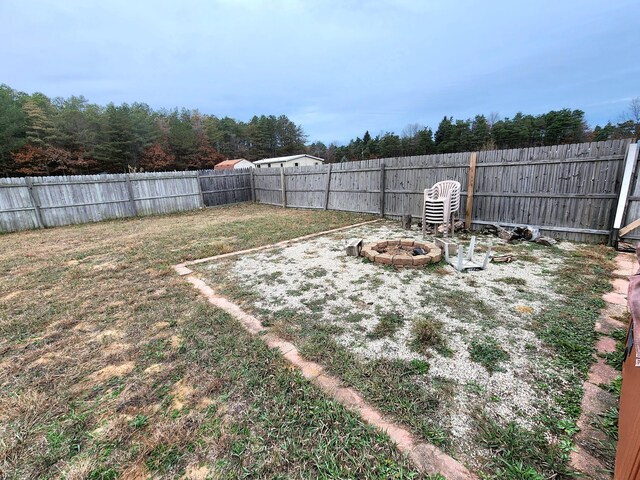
pixel 11 295
pixel 79 470
pixel 111 371
pixel 194 472
pixel 175 342
pixel 107 266
pixel 153 369
pixel 204 402
pixel 99 336
pixel 116 348
pixel 46 359
pixel 137 471
pixel 182 393
pixel 161 325
pixel 84 327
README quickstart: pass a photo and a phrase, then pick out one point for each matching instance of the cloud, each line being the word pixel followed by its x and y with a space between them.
pixel 337 67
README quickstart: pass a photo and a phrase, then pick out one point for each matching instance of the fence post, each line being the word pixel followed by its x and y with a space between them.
pixel 629 166
pixel 382 185
pixel 327 188
pixel 36 205
pixel 283 188
pixel 132 200
pixel 252 183
pixel 472 180
pixel 197 177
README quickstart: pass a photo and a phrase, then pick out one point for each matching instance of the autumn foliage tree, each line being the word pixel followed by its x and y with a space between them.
pixel 157 158
pixel 49 160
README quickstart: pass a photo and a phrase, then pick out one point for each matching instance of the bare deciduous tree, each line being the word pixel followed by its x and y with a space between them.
pixel 411 130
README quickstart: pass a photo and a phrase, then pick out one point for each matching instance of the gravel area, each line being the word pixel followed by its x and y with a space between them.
pixel 498 303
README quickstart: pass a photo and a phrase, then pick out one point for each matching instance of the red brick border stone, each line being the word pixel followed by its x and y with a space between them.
pixel 426 457
pixel 595 400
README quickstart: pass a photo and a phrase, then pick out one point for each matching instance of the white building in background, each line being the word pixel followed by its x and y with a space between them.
pixel 233 164
pixel 303 160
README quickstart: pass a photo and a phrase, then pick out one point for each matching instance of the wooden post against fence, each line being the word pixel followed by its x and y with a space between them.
pixel 382 182
pixel 472 180
pixel 327 187
pixel 283 188
pixel 36 205
pixel 631 156
pixel 132 200
pixel 252 183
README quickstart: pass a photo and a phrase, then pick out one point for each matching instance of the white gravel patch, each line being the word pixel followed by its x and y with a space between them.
pixel 318 270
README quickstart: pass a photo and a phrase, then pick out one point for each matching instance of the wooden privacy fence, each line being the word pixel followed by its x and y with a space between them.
pixel 220 187
pixel 37 202
pixel 584 192
pixel 570 191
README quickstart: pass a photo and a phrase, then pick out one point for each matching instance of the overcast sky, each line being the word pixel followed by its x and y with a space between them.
pixel 338 68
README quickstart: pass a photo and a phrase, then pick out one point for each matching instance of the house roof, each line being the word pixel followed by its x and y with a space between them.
pixel 285 159
pixel 228 163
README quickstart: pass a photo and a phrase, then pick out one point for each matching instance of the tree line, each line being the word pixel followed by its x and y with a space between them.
pixel 483 133
pixel 43 136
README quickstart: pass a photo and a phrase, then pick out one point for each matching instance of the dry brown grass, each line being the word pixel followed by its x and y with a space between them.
pixel 111 366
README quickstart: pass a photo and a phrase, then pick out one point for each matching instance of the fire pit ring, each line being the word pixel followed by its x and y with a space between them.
pixel 402 253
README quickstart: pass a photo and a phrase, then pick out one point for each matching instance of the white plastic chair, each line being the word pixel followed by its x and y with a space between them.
pixel 440 203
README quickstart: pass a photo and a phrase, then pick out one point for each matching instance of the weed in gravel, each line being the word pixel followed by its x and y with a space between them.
pixel 488 353
pixel 353 317
pixel 300 290
pixel 474 387
pixel 472 282
pixel 315 273
pixel 497 291
pixel 373 280
pixel 519 282
pixel 427 333
pixel 388 324
pixel 460 305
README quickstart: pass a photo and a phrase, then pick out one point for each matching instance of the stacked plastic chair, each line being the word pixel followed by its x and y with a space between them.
pixel 441 202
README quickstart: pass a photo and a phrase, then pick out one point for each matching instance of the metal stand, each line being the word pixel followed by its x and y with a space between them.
pixel 466 262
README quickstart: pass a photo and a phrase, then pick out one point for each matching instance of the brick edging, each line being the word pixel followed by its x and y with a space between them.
pixel 595 399
pixel 426 457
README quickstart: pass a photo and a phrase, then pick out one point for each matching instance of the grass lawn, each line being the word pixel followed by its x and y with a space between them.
pixel 112 366
pixel 487 365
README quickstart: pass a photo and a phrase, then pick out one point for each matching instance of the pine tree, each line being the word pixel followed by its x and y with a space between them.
pixel 40 129
pixel 13 123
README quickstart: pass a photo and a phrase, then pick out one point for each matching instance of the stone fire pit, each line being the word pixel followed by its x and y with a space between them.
pixel 402 253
